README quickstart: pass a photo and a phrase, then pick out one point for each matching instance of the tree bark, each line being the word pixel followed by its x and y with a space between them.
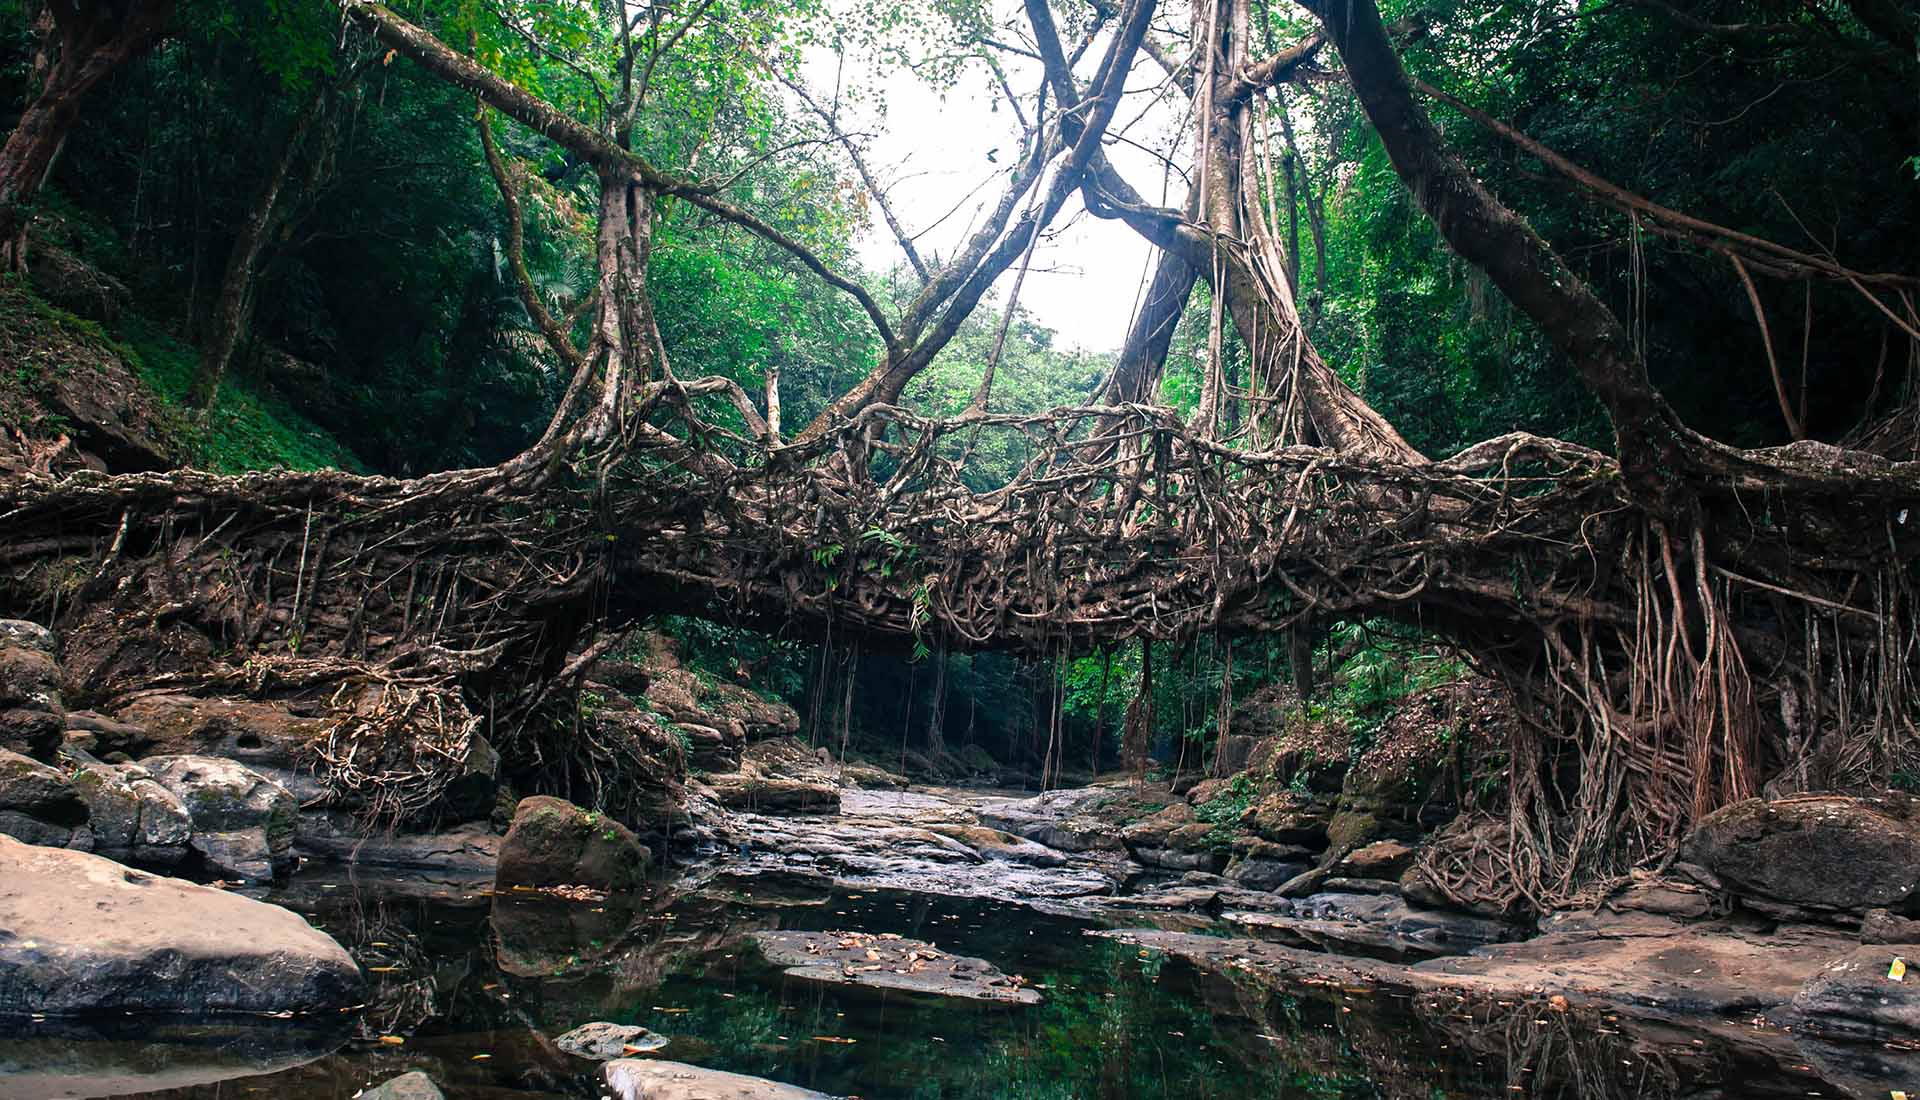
pixel 90 39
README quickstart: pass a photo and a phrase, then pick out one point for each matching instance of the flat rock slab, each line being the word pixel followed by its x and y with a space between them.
pixel 886 961
pixel 80 934
pixel 1650 968
pixel 638 1079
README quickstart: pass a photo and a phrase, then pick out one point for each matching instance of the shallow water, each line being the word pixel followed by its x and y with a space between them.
pixel 476 986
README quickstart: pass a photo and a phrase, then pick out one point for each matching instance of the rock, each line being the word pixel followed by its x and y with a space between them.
pixel 1206 791
pixel 1378 925
pixel 243 822
pixel 257 734
pixel 1662 897
pixel 782 775
pixel 33 719
pixel 98 735
pixel 554 843
pixel 1173 839
pixel 407 1086
pixel 133 817
pixel 83 934
pixel 861 774
pixel 603 1042
pixel 648 1079
pixel 1833 853
pixel 471 850
pixel 718 718
pixel 1256 873
pixel 1288 817
pixel 1066 819
pixel 994 844
pixel 31 788
pixel 1855 997
pixel 887 961
pixel 471 793
pixel 1880 926
pixel 1381 859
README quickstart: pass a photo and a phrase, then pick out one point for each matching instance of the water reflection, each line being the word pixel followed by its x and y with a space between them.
pixel 474 986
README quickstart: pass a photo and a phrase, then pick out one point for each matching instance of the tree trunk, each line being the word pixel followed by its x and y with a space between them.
pixel 233 308
pixel 88 41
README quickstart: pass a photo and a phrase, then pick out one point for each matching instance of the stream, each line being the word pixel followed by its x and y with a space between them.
pixel 470 987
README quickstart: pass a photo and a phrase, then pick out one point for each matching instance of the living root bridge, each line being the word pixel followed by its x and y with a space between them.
pixel 1664 675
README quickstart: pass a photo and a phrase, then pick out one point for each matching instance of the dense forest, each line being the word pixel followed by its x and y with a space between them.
pixel 931 548
pixel 381 240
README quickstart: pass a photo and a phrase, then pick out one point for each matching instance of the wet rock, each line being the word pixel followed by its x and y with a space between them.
pixel 133 817
pixel 257 734
pixel 33 718
pixel 243 822
pixel 83 934
pixel 603 1042
pixel 887 961
pixel 1833 853
pixel 407 1086
pixel 554 843
pixel 1068 820
pixel 1371 924
pixel 648 1079
pixel 1859 996
pixel 1880 926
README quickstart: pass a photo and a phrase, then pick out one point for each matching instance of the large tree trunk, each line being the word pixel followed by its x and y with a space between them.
pixel 88 40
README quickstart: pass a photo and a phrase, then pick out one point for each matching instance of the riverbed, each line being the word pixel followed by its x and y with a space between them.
pixel 471 988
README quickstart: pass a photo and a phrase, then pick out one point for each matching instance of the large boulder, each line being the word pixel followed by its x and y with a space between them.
pixel 243 822
pixel 132 817
pixel 1863 995
pixel 39 805
pixel 80 934
pixel 554 843
pixel 1823 852
pixel 36 790
pixel 33 719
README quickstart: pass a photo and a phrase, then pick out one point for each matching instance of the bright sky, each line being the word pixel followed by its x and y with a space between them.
pixel 931 153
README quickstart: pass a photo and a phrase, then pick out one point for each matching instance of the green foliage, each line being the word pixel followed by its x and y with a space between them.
pixel 1384 664
pixel 1231 803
